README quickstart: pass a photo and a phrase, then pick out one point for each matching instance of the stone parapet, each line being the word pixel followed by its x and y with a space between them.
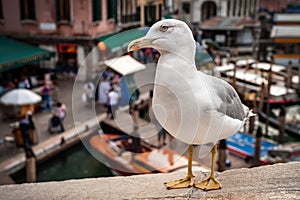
pixel 279 181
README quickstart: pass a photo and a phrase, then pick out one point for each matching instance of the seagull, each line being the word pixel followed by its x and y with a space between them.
pixel 192 106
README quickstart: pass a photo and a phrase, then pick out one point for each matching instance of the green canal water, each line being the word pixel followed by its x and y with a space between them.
pixel 74 163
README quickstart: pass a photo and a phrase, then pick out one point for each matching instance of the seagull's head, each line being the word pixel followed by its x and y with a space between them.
pixel 169 35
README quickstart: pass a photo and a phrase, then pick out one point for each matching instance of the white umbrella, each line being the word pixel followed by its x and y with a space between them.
pixel 20 97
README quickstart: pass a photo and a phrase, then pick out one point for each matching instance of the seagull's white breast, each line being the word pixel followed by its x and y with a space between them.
pixel 186 107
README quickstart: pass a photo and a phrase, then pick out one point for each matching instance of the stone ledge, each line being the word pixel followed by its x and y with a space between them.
pixel 280 181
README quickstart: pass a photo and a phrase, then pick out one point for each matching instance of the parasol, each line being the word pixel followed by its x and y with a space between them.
pixel 20 97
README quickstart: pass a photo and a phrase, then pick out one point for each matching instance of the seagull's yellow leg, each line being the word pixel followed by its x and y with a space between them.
pixel 188 181
pixel 211 183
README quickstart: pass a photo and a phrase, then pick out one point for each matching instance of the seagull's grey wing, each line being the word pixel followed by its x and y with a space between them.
pixel 231 104
pixel 204 62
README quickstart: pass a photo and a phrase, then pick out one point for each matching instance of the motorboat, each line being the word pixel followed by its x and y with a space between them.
pixel 243 145
pixel 128 155
pixel 292 120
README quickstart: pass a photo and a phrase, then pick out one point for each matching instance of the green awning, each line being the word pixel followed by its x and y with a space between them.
pixel 120 41
pixel 15 54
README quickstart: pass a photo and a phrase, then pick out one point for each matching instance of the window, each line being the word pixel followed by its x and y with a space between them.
pixel 112 9
pixel 1 12
pixel 208 10
pixel 150 14
pixel 228 8
pixel 287 48
pixel 27 9
pixel 96 8
pixel 63 10
pixel 186 7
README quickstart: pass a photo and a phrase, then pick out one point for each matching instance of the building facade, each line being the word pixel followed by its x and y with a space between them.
pixel 279 28
pixel 231 23
pixel 70 28
pixel 203 10
pixel 286 38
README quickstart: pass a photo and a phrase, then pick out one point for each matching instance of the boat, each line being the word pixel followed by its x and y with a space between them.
pixel 121 155
pixel 291 126
pixel 250 81
pixel 243 145
pixel 288 152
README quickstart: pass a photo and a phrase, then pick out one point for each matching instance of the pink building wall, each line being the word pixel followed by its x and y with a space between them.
pixel 81 19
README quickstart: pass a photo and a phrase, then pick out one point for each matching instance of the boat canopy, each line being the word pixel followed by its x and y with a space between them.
pixel 125 65
pixel 285 31
pixel 224 68
pixel 266 66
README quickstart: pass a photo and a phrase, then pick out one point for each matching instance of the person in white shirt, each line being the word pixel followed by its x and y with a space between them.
pixel 103 90
pixel 89 92
pixel 62 111
pixel 112 103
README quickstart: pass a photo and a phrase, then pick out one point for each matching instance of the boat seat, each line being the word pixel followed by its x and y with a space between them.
pixel 114 147
pixel 9 138
pixel 127 155
pixel 8 142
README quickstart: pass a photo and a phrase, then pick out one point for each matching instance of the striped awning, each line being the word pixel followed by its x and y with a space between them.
pixel 119 41
pixel 16 54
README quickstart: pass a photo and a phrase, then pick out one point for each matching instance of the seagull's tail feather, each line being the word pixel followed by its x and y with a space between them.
pixel 248 114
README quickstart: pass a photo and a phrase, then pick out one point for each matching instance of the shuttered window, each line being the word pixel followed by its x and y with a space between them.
pixel 27 9
pixel 1 10
pixel 96 8
pixel 112 9
pixel 63 11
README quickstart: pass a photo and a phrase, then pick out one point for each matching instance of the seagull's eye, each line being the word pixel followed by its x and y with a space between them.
pixel 163 28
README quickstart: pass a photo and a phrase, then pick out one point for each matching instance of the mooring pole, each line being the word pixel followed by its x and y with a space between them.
pixel 252 119
pixel 135 115
pixel 268 95
pixel 281 120
pixel 256 159
pixel 299 77
pixel 289 75
pixel 30 168
pixel 222 155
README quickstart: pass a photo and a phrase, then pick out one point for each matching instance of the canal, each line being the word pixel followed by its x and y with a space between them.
pixel 73 163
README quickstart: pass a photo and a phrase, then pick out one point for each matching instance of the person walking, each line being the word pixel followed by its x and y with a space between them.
pixel 112 103
pixel 103 90
pixel 62 111
pixel 27 125
pixel 117 88
pixel 55 124
pixel 162 136
pixel 89 92
pixel 47 99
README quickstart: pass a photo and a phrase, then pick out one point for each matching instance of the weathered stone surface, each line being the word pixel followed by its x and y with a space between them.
pixel 280 181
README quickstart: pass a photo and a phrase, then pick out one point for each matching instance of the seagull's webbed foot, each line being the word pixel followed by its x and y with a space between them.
pixel 209 184
pixel 186 182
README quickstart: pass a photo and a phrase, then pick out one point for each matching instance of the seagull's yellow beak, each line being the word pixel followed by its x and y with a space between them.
pixel 139 44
